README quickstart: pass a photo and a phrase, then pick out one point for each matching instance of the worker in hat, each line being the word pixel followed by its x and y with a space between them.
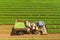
pixel 42 27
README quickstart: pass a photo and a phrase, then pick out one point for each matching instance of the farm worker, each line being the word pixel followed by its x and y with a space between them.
pixel 44 30
pixel 41 25
pixel 36 27
pixel 33 26
pixel 28 26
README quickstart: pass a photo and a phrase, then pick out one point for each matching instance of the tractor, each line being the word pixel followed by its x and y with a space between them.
pixel 24 27
pixel 20 28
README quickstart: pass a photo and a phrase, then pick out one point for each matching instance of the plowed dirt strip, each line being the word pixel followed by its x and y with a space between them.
pixel 30 37
pixel 6 29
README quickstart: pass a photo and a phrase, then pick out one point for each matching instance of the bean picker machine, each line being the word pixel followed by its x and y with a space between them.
pixel 25 27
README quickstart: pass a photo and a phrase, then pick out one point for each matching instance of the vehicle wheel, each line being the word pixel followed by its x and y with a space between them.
pixel 13 32
pixel 33 32
pixel 36 32
pixel 41 32
pixel 20 32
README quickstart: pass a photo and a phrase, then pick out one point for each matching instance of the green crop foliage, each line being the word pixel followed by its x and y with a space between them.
pixel 53 26
pixel 54 31
pixel 31 10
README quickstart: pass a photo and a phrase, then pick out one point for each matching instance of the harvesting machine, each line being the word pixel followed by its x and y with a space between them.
pixel 24 27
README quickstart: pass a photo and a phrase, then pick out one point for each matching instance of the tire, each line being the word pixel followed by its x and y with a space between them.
pixel 20 32
pixel 13 32
pixel 41 32
pixel 34 32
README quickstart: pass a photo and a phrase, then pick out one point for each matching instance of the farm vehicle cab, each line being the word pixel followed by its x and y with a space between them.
pixel 25 27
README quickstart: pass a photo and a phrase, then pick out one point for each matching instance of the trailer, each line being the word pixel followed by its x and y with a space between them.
pixel 20 28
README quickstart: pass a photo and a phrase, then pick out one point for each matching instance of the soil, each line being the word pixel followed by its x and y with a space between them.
pixel 9 27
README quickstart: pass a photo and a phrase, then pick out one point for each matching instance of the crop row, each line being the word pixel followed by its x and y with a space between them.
pixel 31 9
pixel 49 31
pixel 30 14
pixel 32 20
pixel 35 11
pixel 53 26
pixel 12 21
pixel 29 17
pixel 54 31
pixel 25 3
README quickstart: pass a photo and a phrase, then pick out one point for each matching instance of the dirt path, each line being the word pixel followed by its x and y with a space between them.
pixel 6 36
pixel 9 27
pixel 30 37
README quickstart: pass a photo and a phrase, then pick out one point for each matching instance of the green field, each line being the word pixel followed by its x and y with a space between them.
pixel 32 10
